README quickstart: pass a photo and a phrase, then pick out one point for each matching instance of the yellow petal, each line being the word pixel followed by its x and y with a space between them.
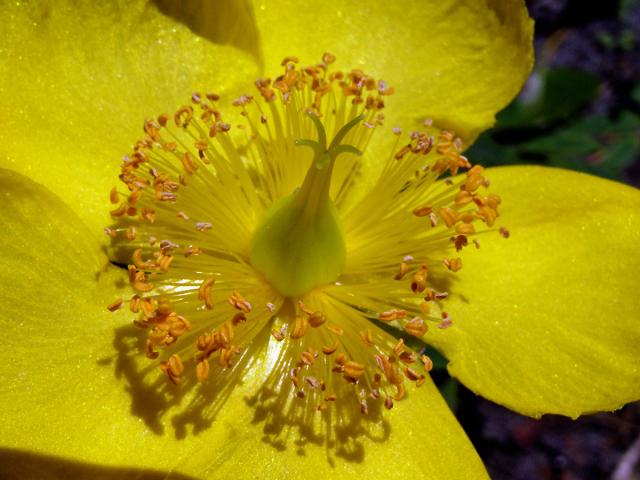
pixel 21 465
pixel 547 320
pixel 77 79
pixel 456 62
pixel 424 440
pixel 78 398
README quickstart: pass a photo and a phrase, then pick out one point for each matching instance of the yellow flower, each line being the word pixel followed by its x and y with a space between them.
pixel 545 321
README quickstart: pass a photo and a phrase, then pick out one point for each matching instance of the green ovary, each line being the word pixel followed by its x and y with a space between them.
pixel 300 243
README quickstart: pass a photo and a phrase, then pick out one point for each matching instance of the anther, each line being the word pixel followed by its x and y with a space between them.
pixel 308 356
pixel 367 338
pixel 113 196
pixel 448 216
pixel 173 368
pixel 134 304
pixel 110 232
pixel 299 328
pixel 204 293
pixel 316 319
pixel 202 370
pixel 416 327
pixel 115 305
pixel 411 374
pixel 388 403
pixel 419 281
pixel 453 264
pixel 353 369
pixel 399 347
pixel 460 241
pixel 404 268
pixel 465 229
pixel 422 211
pixel 336 330
pixel 279 333
pixel 330 349
pixel 191 251
pixel 427 363
pixel 131 233
pixel 183 116
pixel 391 315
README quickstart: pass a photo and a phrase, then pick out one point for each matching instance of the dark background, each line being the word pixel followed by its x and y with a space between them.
pixel 579 110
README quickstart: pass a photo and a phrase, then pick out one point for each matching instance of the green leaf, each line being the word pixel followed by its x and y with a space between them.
pixel 552 95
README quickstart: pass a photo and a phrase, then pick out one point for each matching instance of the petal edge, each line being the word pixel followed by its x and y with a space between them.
pixel 547 321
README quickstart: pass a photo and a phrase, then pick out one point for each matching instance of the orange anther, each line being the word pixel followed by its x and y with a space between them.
pixel 453 264
pixel 367 337
pixel 399 347
pixel 353 369
pixel 120 210
pixel 404 268
pixel 308 356
pixel 204 292
pixel 419 281
pixel 202 369
pixel 416 327
pixel 289 59
pixel 411 374
pixel 237 301
pixel 330 349
pixel 113 196
pixel 278 333
pixel 391 315
pixel 465 229
pixel 300 327
pixel 422 211
pixel 427 363
pixel 183 116
pixel 115 305
pixel 335 329
pixel 189 163
pixel 316 319
pixel 463 197
pixel 448 216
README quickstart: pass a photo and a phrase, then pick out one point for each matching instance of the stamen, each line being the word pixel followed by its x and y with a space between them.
pixel 115 305
pixel 204 293
pixel 206 215
pixel 416 327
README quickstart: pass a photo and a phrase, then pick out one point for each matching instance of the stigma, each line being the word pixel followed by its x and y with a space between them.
pixel 246 240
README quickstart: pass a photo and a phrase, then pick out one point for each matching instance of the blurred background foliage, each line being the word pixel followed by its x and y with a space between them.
pixel 580 110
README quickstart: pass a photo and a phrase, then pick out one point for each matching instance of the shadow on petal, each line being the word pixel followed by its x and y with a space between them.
pixel 21 465
pixel 289 424
pixel 191 406
pixel 281 420
pixel 225 22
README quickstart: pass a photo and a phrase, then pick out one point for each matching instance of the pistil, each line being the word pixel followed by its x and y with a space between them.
pixel 300 243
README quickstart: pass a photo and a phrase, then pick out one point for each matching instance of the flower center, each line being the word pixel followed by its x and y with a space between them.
pixel 238 257
pixel 300 243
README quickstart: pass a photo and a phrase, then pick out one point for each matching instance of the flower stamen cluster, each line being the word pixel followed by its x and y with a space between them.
pixel 199 195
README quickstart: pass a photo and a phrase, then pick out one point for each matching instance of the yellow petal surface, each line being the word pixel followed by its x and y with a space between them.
pixel 456 62
pixel 547 320
pixel 77 79
pixel 77 399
